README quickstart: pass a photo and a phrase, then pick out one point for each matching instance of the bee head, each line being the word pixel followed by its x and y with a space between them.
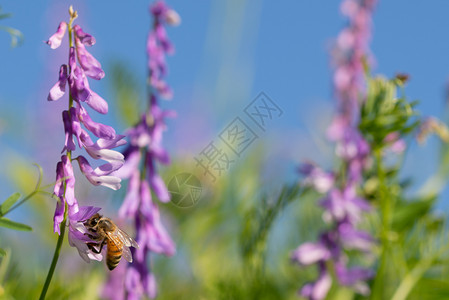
pixel 93 221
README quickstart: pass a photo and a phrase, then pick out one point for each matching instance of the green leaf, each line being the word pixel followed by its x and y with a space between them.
pixel 4 208
pixel 14 225
pixel 2 252
pixel 407 212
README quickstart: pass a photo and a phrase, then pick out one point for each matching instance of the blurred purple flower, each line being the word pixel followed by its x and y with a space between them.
pixel 140 280
pixel 318 290
pixel 344 206
pixel 395 143
pixel 144 151
pixel 114 288
pixel 311 253
pixel 343 209
pixel 354 277
pixel 320 180
pixel 158 46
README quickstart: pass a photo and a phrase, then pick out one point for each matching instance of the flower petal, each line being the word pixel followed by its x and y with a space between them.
pixel 84 38
pixel 58 90
pixel 98 129
pixel 90 65
pixel 55 40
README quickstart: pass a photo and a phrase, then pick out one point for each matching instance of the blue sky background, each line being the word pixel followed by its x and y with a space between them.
pixel 226 53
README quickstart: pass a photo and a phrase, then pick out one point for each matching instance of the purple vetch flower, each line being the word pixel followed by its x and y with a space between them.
pixel 90 65
pixel 354 277
pixel 318 290
pixel 311 253
pixel 140 281
pixel 100 176
pixel 56 39
pixel 84 38
pixel 58 90
pixel 344 205
pixel 320 180
pixel 65 190
pixel 77 232
pixel 353 239
pixel 151 232
pixel 77 125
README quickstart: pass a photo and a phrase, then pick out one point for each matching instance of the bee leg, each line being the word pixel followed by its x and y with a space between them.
pixel 92 237
pixel 91 246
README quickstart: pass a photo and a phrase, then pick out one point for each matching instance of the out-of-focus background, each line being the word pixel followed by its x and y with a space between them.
pixel 227 52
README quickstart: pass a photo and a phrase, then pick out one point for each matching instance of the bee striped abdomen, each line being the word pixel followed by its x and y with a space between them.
pixel 114 254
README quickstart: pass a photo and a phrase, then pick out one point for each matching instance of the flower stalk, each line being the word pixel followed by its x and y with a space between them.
pixel 54 261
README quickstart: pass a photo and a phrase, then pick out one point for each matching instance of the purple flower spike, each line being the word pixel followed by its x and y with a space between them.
pixel 343 209
pixel 145 151
pixel 90 65
pixel 84 38
pixel 55 40
pixel 78 123
pixel 58 90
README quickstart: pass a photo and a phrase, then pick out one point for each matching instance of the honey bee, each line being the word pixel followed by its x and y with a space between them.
pixel 104 232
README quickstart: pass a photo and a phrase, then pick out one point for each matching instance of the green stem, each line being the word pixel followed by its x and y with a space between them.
pixel 386 213
pixel 415 274
pixel 55 257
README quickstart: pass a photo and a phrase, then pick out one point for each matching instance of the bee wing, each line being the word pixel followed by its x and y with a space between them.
pixel 127 254
pixel 126 239
pixel 115 238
